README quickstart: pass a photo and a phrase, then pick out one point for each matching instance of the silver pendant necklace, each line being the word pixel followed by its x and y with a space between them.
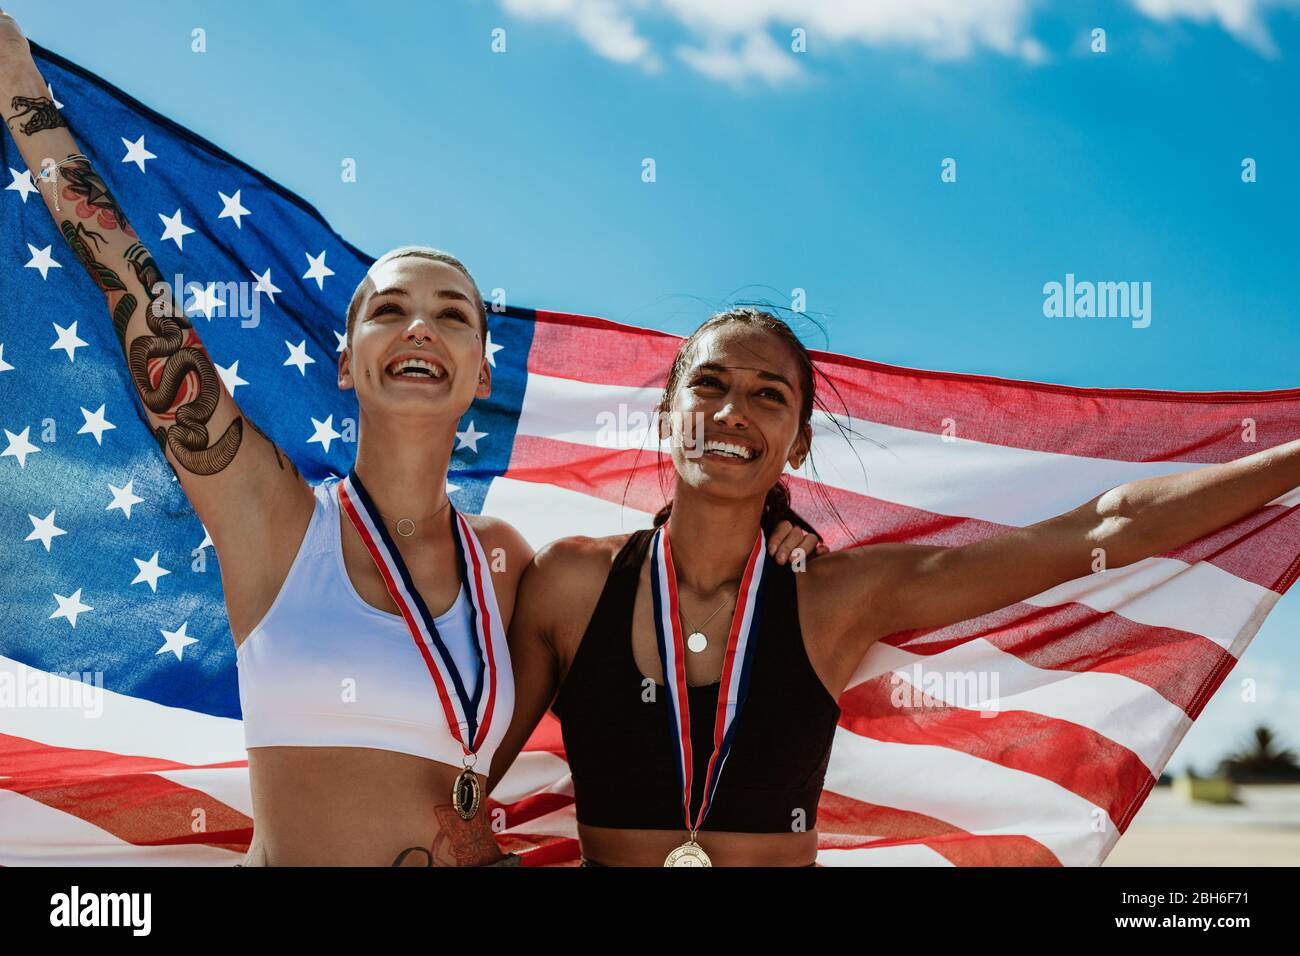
pixel 697 641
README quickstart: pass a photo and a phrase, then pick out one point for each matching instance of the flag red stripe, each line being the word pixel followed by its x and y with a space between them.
pixel 1017 739
pixel 1120 424
pixel 122 795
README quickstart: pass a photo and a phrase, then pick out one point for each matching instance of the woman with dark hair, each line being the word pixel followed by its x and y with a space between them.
pixel 697 684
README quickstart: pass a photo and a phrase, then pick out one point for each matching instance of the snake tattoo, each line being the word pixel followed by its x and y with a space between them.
pixel 44 114
pixel 187 437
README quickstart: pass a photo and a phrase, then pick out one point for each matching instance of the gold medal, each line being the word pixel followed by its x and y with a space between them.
pixel 466 794
pixel 689 853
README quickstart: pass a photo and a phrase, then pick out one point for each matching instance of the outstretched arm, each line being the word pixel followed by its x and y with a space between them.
pixel 247 493
pixel 915 586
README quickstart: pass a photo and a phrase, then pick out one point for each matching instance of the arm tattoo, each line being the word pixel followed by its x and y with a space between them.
pixel 44 114
pixel 79 239
pixel 86 187
pixel 167 357
pixel 275 448
pixel 165 365
pixel 462 843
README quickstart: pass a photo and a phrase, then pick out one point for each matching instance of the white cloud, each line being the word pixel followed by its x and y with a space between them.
pixel 756 57
pixel 735 41
pixel 607 26
pixel 943 29
pixel 1243 19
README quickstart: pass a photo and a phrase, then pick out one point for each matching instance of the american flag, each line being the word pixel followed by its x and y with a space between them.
pixel 1035 733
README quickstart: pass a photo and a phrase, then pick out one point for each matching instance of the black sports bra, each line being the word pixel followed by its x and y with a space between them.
pixel 618 743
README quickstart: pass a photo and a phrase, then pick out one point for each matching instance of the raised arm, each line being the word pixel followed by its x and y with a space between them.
pixel 899 587
pixel 247 493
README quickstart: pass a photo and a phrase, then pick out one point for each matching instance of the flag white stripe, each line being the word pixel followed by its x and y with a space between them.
pixel 127 725
pixel 1112 705
pixel 1000 483
pixel 975 795
pixel 534 771
pixel 226 784
pixel 910 854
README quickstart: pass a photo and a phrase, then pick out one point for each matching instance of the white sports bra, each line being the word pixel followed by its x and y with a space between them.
pixel 325 669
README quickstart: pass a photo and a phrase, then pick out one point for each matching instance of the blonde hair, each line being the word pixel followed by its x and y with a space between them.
pixel 366 285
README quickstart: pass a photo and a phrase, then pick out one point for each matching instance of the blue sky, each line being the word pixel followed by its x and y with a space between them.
pixel 777 171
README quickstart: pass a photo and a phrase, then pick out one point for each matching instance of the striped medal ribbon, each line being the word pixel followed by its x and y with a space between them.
pixel 468 716
pixel 736 664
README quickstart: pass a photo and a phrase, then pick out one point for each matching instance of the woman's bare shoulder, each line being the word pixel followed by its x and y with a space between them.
pixel 577 556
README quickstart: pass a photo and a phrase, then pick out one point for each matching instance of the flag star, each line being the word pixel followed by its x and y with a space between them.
pixel 55 99
pixel 136 153
pixel 70 607
pixel 149 572
pixel 41 259
pixel 205 299
pixel 207 538
pixel 68 340
pixel 174 229
pixel 324 432
pixel 452 487
pixel 175 641
pixel 95 425
pixel 298 357
pixel 469 438
pixel 19 446
pixel 490 350
pixel 317 269
pixel 264 284
pixel 230 376
pixel 341 337
pixel 43 530
pixel 232 208
pixel 123 498
pixel 5 366
pixel 22 183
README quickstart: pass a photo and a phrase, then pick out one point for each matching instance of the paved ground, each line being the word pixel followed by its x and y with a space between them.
pixel 1263 830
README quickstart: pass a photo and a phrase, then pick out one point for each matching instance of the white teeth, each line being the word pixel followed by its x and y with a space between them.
pixel 728 448
pixel 416 368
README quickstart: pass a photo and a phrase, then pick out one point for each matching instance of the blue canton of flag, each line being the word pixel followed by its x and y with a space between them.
pixel 105 566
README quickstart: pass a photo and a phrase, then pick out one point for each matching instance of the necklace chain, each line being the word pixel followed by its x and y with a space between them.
pixel 700 629
pixel 411 522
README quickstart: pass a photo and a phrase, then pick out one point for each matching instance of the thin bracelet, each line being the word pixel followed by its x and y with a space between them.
pixel 54 180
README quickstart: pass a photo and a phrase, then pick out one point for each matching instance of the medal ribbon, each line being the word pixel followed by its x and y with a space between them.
pixel 736 665
pixel 468 717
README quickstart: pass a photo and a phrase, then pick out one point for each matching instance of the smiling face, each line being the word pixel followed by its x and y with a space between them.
pixel 416 345
pixel 742 385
